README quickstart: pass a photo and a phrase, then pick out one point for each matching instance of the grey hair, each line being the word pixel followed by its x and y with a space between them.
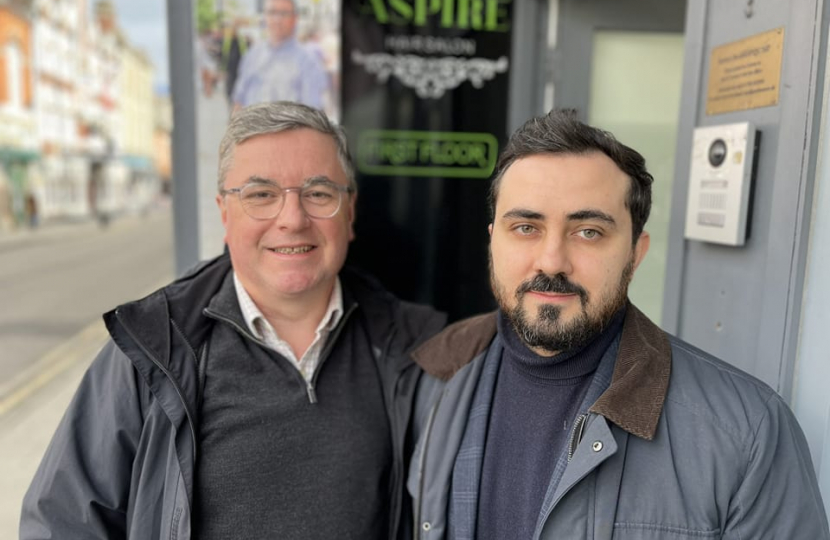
pixel 276 117
pixel 293 4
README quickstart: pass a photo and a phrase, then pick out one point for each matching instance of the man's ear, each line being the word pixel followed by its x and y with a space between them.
pixel 641 248
pixel 490 229
pixel 222 203
pixel 223 210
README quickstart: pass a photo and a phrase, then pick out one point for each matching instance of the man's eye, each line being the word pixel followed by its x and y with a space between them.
pixel 525 229
pixel 317 194
pixel 261 195
pixel 589 234
pixel 321 195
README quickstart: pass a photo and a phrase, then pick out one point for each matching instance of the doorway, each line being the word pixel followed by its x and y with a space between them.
pixel 619 64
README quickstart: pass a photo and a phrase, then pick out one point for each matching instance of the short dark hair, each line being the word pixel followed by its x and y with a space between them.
pixel 560 132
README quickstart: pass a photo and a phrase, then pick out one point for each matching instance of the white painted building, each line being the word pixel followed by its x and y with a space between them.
pixel 18 129
pixel 137 144
pixel 58 31
pixel 78 66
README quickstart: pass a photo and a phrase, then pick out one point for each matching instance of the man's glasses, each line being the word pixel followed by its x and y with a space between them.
pixel 319 198
pixel 279 13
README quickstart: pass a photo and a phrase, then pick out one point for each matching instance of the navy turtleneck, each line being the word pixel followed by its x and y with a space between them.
pixel 534 404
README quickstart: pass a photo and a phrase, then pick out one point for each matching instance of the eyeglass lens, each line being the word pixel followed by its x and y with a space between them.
pixel 265 202
pixel 281 13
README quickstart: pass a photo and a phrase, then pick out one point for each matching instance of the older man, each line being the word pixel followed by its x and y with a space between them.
pixel 281 68
pixel 264 395
pixel 569 414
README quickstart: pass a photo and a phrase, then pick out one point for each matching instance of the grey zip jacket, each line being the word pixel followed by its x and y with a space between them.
pixel 121 463
pixel 678 445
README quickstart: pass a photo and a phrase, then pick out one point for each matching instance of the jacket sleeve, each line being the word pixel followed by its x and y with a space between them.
pixel 242 77
pixel 779 495
pixel 81 488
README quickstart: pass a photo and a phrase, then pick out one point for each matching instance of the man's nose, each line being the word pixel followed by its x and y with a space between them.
pixel 292 216
pixel 553 257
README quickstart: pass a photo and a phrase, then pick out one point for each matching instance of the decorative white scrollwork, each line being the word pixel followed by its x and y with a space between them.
pixel 430 77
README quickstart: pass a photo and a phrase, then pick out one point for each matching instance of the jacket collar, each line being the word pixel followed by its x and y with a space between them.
pixel 393 325
pixel 635 397
pixel 455 347
pixel 148 320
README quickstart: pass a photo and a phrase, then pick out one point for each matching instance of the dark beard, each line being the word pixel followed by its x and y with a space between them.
pixel 548 332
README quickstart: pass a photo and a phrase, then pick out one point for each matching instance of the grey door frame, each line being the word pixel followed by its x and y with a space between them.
pixel 528 58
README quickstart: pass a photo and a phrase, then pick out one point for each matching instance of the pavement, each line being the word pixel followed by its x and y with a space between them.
pixel 30 414
pixel 59 227
pixel 33 402
pixel 51 229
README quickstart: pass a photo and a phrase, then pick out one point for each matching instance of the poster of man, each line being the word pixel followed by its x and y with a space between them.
pixel 251 51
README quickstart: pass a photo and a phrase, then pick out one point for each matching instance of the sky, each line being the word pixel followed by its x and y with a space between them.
pixel 145 24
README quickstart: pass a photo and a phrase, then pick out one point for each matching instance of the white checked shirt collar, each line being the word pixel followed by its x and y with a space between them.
pixel 262 329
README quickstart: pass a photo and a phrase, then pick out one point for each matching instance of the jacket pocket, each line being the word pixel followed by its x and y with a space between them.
pixel 657 531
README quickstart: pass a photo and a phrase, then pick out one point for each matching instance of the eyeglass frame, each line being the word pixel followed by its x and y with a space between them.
pixel 283 191
pixel 281 13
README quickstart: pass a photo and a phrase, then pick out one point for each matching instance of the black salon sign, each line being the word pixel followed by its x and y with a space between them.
pixel 424 100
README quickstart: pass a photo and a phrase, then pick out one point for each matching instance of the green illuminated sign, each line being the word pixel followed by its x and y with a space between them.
pixel 446 154
pixel 483 15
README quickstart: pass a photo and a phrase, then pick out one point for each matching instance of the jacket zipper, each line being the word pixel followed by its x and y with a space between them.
pixel 309 385
pixel 397 453
pixel 170 377
pixel 332 339
pixel 421 465
pixel 576 434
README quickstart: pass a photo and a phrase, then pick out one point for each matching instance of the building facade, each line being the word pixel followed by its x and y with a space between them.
pixel 162 151
pixel 103 113
pixel 138 124
pixel 58 42
pixel 77 120
pixel 18 128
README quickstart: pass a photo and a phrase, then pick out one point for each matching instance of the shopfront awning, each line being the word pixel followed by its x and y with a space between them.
pixel 8 154
pixel 138 163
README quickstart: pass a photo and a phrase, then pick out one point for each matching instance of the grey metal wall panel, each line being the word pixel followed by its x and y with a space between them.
pixel 689 104
pixel 811 401
pixel 742 304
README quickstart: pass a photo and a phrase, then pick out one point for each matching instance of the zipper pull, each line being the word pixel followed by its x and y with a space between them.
pixel 312 395
pixel 576 434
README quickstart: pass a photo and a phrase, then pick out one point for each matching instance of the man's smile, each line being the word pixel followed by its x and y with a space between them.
pixel 292 250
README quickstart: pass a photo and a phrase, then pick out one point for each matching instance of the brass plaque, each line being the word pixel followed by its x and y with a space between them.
pixel 745 74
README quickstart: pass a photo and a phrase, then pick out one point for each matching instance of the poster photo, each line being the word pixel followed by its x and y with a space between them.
pixel 251 51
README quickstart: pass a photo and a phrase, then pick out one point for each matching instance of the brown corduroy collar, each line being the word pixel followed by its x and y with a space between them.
pixel 633 401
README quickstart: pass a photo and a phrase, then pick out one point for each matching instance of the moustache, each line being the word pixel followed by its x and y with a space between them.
pixel 557 283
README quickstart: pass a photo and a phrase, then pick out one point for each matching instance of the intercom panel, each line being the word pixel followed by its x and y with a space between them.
pixel 720 183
